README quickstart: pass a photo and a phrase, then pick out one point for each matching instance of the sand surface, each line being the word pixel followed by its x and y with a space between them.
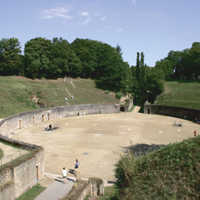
pixel 99 140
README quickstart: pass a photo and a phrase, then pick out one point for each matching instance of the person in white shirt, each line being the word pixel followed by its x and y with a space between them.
pixel 64 172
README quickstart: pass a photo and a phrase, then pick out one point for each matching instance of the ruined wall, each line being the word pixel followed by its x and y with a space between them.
pixel 25 176
pixel 6 192
pixel 184 113
pixel 91 189
pixel 22 173
pixel 28 119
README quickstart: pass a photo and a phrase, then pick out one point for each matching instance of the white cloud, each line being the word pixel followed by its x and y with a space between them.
pixel 86 21
pixel 86 17
pixel 84 14
pixel 103 18
pixel 59 12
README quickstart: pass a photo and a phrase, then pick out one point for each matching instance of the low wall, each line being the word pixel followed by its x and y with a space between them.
pixel 6 191
pixel 28 119
pixel 184 113
pixel 22 173
pixel 93 188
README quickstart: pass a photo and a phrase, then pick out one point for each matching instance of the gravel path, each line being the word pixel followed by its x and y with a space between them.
pixel 56 190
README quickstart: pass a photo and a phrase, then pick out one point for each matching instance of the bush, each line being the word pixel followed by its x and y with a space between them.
pixel 118 95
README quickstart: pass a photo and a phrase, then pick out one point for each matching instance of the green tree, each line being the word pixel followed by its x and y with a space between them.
pixel 119 50
pixel 104 63
pixel 63 59
pixel 37 54
pixel 87 51
pixel 11 60
pixel 147 82
pixel 182 65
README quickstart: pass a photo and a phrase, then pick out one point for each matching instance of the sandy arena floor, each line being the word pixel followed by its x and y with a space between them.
pixel 99 140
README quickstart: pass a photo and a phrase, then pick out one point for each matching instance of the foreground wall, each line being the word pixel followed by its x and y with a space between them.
pixel 28 119
pixel 184 113
pixel 20 174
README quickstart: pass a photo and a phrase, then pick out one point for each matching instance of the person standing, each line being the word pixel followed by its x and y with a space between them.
pixel 76 164
pixel 64 172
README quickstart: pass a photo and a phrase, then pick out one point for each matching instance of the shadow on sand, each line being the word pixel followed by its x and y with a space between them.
pixel 142 149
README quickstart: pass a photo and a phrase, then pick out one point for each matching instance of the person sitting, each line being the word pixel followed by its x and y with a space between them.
pixel 179 124
pixel 50 127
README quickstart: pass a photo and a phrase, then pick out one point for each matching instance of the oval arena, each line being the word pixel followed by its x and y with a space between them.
pixel 99 140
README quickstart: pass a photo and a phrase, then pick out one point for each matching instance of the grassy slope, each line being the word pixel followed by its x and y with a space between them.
pixel 1 153
pixel 181 94
pixel 32 193
pixel 17 92
pixel 169 173
pixel 109 193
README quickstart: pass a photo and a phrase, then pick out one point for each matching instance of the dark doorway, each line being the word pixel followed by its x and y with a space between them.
pixel 37 172
pixel 122 108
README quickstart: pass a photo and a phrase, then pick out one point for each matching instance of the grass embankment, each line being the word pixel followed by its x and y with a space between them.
pixel 1 153
pixel 109 193
pixel 17 94
pixel 180 94
pixel 171 172
pixel 32 193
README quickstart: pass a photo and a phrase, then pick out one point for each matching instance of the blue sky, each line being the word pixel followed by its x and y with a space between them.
pixel 152 26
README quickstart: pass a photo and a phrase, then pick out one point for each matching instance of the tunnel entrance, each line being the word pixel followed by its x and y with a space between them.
pixel 122 108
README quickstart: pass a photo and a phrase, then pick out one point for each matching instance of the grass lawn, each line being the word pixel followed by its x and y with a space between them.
pixel 32 193
pixel 180 94
pixel 17 93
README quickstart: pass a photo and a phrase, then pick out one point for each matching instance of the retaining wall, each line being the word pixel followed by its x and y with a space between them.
pixel 20 174
pixel 184 113
pixel 91 189
pixel 28 119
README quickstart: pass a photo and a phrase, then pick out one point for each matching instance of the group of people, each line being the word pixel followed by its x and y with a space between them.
pixel 65 171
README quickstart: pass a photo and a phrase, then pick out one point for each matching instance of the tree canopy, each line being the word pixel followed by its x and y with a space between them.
pixel 146 82
pixel 103 63
pixel 50 59
pixel 11 60
pixel 181 65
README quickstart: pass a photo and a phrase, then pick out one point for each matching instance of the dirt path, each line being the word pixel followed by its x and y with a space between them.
pixel 99 140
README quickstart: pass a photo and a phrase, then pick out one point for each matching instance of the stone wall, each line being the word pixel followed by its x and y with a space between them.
pixel 22 173
pixel 28 119
pixel 93 188
pixel 184 113
pixel 6 192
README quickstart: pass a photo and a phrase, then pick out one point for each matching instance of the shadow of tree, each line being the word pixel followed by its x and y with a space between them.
pixel 142 149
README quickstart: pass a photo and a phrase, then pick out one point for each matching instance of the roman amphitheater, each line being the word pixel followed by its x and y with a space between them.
pixel 96 140
pixel 99 140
